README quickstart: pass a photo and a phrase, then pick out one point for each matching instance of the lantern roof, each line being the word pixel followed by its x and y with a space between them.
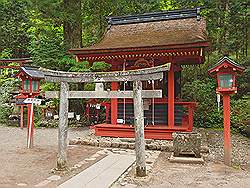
pixel 224 63
pixel 161 30
pixel 32 72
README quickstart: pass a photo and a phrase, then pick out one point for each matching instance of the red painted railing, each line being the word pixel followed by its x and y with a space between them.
pixel 187 120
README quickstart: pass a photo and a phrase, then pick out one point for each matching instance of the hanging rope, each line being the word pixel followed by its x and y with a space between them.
pixel 153 99
pixel 124 100
pixel 153 104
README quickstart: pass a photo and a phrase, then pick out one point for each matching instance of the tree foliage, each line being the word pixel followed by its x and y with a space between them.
pixel 7 86
pixel 46 29
pixel 14 24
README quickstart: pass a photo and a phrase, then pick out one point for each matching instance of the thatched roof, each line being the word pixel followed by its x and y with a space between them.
pixel 166 29
pixel 161 33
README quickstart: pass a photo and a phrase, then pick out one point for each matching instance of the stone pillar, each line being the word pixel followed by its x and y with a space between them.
pixel 63 126
pixel 139 129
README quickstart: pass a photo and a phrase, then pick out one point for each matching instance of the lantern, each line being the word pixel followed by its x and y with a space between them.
pixel 30 86
pixel 30 81
pixel 225 71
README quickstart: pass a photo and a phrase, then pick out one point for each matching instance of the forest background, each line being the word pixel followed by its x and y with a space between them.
pixel 46 29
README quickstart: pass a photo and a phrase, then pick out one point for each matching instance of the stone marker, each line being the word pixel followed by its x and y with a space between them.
pixel 187 143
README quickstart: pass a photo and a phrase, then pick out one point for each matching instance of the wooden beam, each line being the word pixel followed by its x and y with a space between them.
pixel 107 78
pixel 9 67
pixel 153 73
pixel 139 130
pixel 63 126
pixel 104 94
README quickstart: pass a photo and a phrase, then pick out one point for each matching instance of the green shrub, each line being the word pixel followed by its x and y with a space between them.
pixel 7 85
pixel 5 112
pixel 202 92
pixel 100 66
pixel 240 114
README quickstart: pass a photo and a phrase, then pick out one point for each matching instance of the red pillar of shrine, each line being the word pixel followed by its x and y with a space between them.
pixel 114 104
pixel 171 97
pixel 227 137
pixel 21 116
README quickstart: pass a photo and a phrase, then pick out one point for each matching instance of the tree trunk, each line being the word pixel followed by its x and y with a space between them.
pixel 72 24
pixel 73 39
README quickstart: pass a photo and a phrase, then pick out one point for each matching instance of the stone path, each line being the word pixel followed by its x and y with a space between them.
pixel 103 173
pixel 124 180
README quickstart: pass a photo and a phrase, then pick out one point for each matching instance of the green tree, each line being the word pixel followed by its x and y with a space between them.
pixel 14 24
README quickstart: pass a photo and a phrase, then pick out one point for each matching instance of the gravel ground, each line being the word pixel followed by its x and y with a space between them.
pixel 240 148
pixel 42 136
pixel 27 167
pixel 20 166
pixel 212 174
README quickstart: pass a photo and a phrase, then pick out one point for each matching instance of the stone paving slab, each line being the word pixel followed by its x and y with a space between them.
pixel 101 174
pixel 187 160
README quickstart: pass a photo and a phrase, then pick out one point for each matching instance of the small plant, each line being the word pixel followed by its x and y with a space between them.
pixel 7 86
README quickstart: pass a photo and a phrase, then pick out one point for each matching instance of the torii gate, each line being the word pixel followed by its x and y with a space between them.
pixel 137 76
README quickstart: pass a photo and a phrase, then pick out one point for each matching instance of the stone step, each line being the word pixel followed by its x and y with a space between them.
pixel 101 174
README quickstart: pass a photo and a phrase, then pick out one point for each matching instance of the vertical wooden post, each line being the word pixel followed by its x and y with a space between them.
pixel 63 126
pixel 87 111
pixel 171 97
pixel 190 117
pixel 21 116
pixel 30 126
pixel 107 113
pixel 139 129
pixel 114 104
pixel 227 138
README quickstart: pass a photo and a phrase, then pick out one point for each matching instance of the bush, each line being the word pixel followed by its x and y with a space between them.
pixel 7 85
pixel 5 112
pixel 202 92
pixel 240 114
pixel 100 66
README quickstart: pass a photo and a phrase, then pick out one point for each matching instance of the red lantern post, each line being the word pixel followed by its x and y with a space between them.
pixel 225 71
pixel 30 89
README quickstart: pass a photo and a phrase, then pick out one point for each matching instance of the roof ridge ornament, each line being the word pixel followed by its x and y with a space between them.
pixel 155 16
pixel 198 13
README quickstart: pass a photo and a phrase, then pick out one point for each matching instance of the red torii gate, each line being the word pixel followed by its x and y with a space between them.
pixel 21 61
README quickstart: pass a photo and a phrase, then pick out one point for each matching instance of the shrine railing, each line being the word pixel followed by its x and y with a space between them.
pixel 155 114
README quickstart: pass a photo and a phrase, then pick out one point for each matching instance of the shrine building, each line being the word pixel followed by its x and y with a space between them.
pixel 147 40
